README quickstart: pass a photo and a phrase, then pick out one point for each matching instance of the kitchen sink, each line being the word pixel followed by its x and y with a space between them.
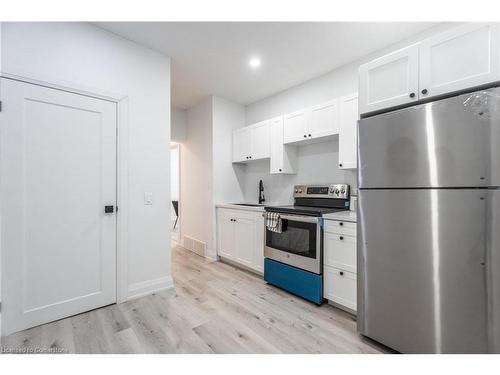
pixel 249 204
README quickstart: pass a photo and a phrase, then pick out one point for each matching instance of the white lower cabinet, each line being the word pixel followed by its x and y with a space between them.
pixel 340 287
pixel 339 270
pixel 240 237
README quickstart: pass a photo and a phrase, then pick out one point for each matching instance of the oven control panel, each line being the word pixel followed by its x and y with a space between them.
pixel 321 191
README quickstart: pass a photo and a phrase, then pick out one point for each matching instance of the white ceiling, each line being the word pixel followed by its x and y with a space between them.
pixel 212 57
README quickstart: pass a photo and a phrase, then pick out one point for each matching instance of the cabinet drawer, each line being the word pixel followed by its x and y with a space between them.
pixel 340 287
pixel 340 227
pixel 340 251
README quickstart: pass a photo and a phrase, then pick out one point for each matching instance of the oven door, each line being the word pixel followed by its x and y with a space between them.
pixel 299 244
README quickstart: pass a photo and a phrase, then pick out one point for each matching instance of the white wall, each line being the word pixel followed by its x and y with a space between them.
pixel 317 163
pixel 178 131
pixel 228 177
pixel 84 56
pixel 196 204
pixel 174 173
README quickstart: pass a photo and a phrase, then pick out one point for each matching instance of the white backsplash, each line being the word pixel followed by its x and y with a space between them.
pixel 317 164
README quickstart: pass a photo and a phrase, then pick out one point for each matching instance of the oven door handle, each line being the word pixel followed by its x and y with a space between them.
pixel 303 219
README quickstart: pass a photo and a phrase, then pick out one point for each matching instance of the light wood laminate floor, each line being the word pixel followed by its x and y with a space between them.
pixel 215 308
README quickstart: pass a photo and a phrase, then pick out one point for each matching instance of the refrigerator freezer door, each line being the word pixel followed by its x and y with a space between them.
pixel 453 142
pixel 422 277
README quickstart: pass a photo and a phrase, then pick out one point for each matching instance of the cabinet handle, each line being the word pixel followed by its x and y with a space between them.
pixel 340 165
pixel 341 238
pixel 249 157
pixel 412 95
pixel 310 135
pixel 424 91
pixel 341 223
pixel 280 169
pixel 305 136
pixel 341 273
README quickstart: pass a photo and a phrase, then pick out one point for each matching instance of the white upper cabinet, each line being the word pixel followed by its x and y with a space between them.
pixel 323 120
pixel 348 134
pixel 251 142
pixel 283 157
pixel 260 140
pixel 241 144
pixel 389 81
pixel 295 126
pixel 311 123
pixel 459 58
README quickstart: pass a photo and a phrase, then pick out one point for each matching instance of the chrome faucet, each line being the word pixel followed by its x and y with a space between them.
pixel 262 198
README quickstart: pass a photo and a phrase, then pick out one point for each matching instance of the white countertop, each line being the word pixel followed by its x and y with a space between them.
pixel 342 215
pixel 234 206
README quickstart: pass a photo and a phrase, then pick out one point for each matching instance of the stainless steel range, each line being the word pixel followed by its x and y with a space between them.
pixel 296 252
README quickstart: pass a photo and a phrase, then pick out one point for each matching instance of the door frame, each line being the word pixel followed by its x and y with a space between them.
pixel 177 145
pixel 122 169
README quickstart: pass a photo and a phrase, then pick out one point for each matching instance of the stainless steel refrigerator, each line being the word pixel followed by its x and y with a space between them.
pixel 429 226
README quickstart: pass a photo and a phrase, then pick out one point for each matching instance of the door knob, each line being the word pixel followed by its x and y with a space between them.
pixel 109 209
pixel 424 91
pixel 412 95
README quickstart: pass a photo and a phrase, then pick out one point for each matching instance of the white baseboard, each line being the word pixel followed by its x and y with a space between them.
pixel 147 287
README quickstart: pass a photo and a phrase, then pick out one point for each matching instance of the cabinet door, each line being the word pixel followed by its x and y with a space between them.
pixel 348 132
pixel 260 140
pixel 277 147
pixel 295 126
pixel 460 58
pixel 389 81
pixel 241 145
pixel 283 157
pixel 340 251
pixel 258 263
pixel 340 287
pixel 225 234
pixel 244 235
pixel 324 120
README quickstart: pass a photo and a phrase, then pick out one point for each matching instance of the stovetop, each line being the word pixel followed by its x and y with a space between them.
pixel 304 210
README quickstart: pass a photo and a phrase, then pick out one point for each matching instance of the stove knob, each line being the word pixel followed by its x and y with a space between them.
pixel 342 190
pixel 300 191
pixel 332 190
pixel 296 191
pixel 337 191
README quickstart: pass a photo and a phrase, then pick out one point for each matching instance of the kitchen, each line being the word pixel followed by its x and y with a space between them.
pixel 315 253
pixel 313 216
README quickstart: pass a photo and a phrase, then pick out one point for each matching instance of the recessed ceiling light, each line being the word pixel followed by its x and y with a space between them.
pixel 254 62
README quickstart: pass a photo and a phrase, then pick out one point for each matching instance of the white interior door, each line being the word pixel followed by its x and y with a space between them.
pixel 58 167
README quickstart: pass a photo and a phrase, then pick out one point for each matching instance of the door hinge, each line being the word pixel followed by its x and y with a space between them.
pixel 0 106
pixel 116 208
